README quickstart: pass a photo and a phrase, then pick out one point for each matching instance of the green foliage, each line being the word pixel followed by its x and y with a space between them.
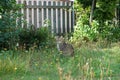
pixel 31 37
pixel 116 33
pixel 9 23
pixel 85 3
pixel 43 34
pixel 8 5
pixel 110 32
pixel 102 26
pixel 105 10
pixel 9 30
pixel 82 27
pixel 80 11
pixel 83 31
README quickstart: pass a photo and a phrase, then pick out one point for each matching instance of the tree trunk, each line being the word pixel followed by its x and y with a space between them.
pixel 118 14
pixel 92 11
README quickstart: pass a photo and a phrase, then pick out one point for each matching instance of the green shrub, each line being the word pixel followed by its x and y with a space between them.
pixel 9 24
pixel 109 32
pixel 93 32
pixel 8 5
pixel 102 26
pixel 9 30
pixel 31 37
pixel 83 31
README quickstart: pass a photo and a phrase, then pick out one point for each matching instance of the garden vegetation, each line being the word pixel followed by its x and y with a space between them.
pixel 31 54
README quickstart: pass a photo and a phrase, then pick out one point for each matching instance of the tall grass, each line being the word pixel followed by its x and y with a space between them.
pixel 13 62
pixel 89 63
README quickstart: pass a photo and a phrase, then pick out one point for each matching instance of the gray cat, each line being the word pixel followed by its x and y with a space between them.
pixel 65 48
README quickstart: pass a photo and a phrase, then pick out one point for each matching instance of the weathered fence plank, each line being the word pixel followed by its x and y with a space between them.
pixel 59 13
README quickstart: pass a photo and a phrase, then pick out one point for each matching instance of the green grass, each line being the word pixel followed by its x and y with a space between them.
pixel 90 62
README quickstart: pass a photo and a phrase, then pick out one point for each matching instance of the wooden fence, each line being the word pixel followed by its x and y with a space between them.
pixel 60 14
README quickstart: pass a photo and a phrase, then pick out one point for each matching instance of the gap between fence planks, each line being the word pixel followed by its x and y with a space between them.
pixel 59 13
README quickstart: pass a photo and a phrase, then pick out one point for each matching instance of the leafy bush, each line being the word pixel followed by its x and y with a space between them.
pixel 93 33
pixel 102 26
pixel 31 37
pixel 9 30
pixel 110 33
pixel 83 31
pixel 9 24
pixel 8 5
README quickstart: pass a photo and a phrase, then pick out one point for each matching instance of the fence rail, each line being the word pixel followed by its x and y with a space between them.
pixel 59 13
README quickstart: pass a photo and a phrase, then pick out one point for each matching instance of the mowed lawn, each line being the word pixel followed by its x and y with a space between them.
pixel 90 62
